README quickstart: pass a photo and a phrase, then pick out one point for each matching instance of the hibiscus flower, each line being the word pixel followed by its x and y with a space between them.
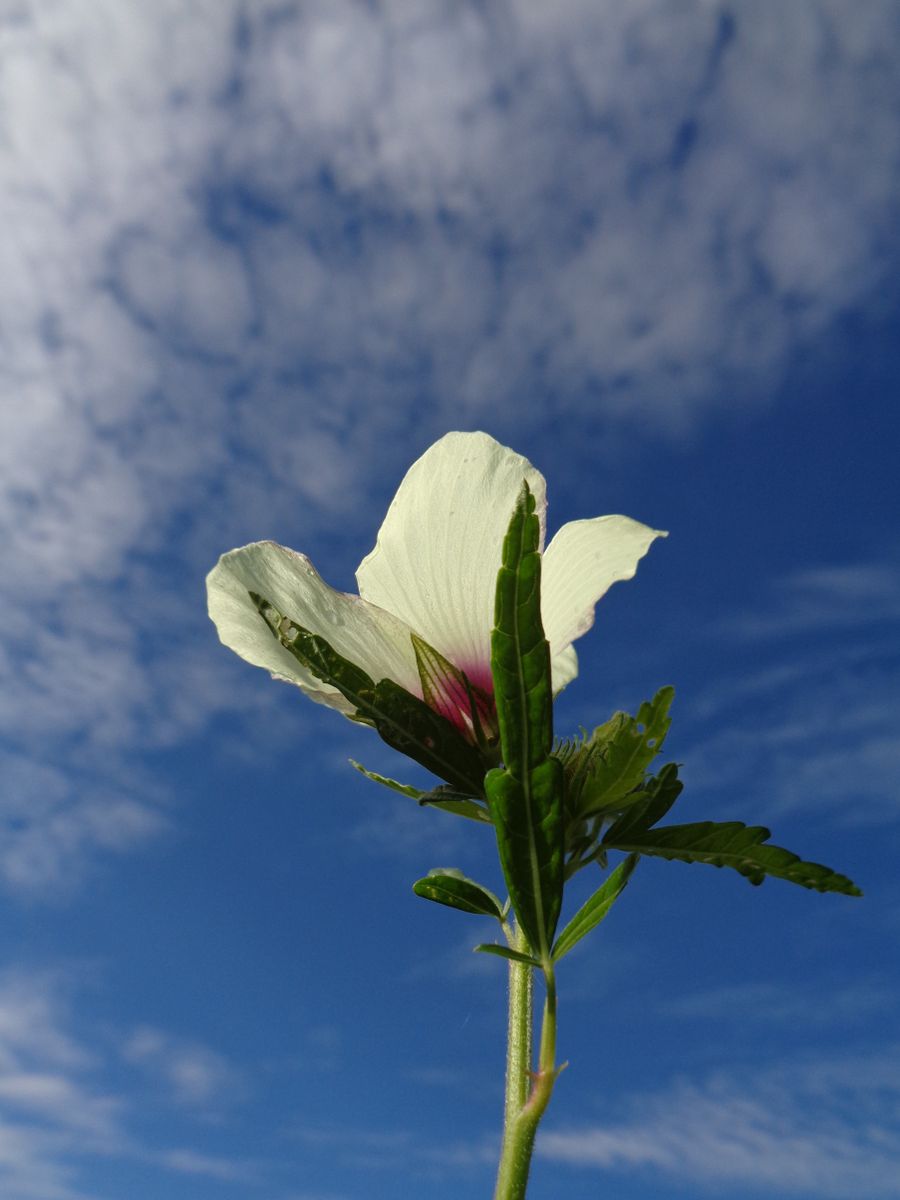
pixel 425 608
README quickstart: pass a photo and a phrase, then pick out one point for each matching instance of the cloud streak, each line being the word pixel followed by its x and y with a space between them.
pixel 263 250
pixel 813 1128
pixel 815 728
pixel 59 1113
pixel 780 1004
pixel 51 1111
pixel 194 1075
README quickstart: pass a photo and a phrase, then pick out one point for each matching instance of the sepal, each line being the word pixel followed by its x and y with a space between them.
pixel 402 720
pixel 449 692
pixel 605 771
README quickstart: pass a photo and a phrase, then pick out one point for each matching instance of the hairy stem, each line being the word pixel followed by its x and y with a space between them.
pixel 519 1032
pixel 527 1093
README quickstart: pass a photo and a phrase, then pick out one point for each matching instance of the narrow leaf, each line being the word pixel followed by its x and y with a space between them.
pixel 525 795
pixel 446 797
pixel 732 844
pixel 449 800
pixel 594 910
pixel 506 952
pixel 650 805
pixel 405 789
pixel 448 886
pixel 402 720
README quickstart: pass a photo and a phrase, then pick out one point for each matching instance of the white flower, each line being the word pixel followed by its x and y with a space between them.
pixel 432 574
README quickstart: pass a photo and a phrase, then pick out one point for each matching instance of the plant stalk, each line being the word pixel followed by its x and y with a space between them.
pixel 527 1093
pixel 518 1033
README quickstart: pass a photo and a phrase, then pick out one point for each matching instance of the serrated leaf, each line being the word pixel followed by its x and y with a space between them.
pixel 647 805
pixel 604 772
pixel 595 909
pixel 446 797
pixel 525 795
pixel 402 720
pixel 732 844
pixel 650 805
pixel 449 886
pixel 520 653
pixel 506 952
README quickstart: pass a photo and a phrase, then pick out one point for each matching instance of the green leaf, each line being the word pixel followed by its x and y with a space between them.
pixel 525 795
pixel 585 842
pixel 506 952
pixel 447 885
pixel 451 801
pixel 402 720
pixel 405 789
pixel 649 805
pixel 446 798
pixel 731 844
pixel 604 772
pixel 594 910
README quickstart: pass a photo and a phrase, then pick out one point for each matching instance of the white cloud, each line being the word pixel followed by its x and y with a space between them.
pixel 189 1162
pixel 395 1149
pixel 58 1113
pixel 816 599
pixel 825 1128
pixel 52 1111
pixel 30 1169
pixel 242 275
pixel 195 1075
pixel 31 1025
pixel 56 1099
pixel 52 826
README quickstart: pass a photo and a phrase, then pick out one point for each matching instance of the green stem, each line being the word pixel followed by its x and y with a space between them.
pixel 527 1094
pixel 519 1031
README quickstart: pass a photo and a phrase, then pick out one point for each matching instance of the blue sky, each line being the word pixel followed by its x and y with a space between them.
pixel 257 257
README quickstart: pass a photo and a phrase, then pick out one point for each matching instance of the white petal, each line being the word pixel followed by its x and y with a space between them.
pixel 438 552
pixel 363 634
pixel 584 559
pixel 563 668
